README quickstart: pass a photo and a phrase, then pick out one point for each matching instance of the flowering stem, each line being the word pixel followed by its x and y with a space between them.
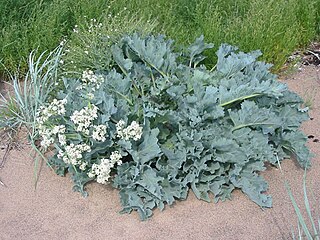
pixel 152 77
pixel 113 120
pixel 72 136
pixel 153 66
pixel 240 99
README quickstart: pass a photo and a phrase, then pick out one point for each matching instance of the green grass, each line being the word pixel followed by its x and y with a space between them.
pixel 39 24
pixel 20 108
pixel 276 27
pixel 88 47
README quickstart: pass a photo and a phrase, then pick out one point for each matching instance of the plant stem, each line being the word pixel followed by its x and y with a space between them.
pixel 240 99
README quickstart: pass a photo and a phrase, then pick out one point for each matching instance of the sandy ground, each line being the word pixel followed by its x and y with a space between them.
pixel 53 211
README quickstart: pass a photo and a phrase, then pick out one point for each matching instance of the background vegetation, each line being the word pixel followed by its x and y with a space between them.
pixel 275 27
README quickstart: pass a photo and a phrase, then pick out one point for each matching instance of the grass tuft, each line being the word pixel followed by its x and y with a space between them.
pixel 20 108
pixel 275 27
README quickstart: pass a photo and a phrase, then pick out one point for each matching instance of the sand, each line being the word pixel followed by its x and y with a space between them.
pixel 54 211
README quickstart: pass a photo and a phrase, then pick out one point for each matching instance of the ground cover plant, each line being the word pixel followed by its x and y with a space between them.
pixel 275 27
pixel 157 123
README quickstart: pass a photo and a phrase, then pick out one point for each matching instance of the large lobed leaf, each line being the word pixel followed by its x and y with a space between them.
pixel 208 131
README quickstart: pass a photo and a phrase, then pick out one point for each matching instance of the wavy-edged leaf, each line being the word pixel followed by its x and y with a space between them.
pixel 250 115
pixel 148 149
pixel 196 49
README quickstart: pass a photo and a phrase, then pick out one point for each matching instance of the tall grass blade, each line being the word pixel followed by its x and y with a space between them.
pixel 31 93
pixel 301 221
pixel 307 205
pixel 298 213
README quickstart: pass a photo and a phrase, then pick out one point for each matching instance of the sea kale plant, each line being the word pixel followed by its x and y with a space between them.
pixel 158 124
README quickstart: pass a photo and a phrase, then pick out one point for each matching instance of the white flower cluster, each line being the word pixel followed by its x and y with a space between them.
pixel 84 118
pixel 99 133
pixel 133 131
pixel 62 139
pixel 94 25
pixel 102 171
pixel 56 108
pixel 47 138
pixel 58 129
pixel 73 154
pixel 48 134
pixel 89 78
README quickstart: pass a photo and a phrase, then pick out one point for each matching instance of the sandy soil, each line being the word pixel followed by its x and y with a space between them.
pixel 53 211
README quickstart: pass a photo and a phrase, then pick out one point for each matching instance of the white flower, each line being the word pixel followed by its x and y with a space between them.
pixel 120 125
pixel 115 158
pixel 103 170
pixel 83 118
pixel 99 133
pixel 60 154
pixel 62 139
pixel 79 87
pixel 75 29
pixel 46 141
pixel 56 107
pixel 133 131
pixel 91 175
pixel 73 153
pixel 83 166
pixel 58 129
pixel 63 41
pixel 89 78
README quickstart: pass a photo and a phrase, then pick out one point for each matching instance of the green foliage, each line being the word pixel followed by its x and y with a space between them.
pixel 208 131
pixel 275 27
pixel 88 47
pixel 42 24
